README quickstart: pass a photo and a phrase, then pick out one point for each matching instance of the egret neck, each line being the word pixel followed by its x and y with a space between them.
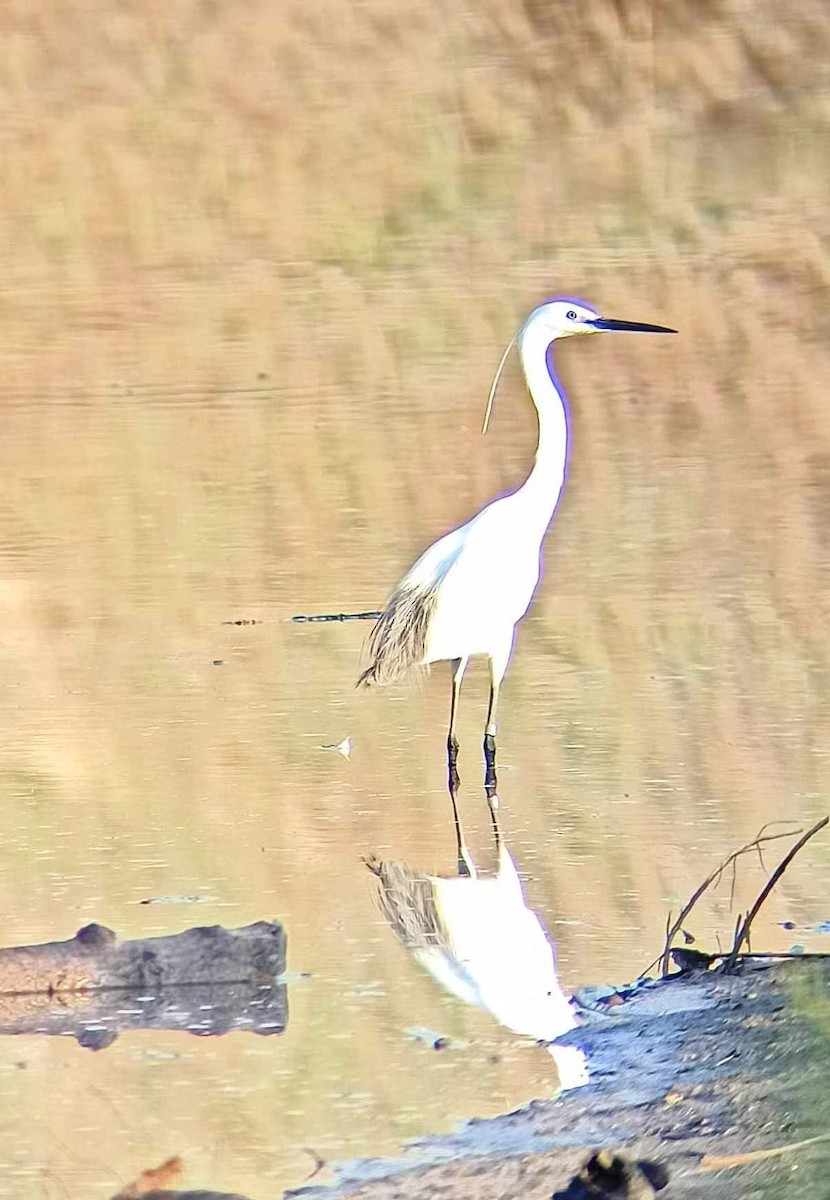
pixel 539 494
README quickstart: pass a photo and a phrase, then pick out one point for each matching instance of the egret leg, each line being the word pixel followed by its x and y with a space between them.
pixel 465 863
pixel 494 821
pixel 491 781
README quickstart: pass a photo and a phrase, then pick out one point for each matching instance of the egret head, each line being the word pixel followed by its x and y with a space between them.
pixel 563 317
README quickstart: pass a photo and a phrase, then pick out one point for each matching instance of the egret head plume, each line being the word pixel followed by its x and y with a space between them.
pixel 494 385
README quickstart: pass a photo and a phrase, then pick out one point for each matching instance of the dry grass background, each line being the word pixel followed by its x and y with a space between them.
pixel 258 265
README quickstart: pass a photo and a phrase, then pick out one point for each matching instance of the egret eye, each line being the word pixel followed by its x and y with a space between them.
pixel 571 315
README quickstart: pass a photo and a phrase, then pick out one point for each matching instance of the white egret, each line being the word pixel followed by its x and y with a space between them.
pixel 466 593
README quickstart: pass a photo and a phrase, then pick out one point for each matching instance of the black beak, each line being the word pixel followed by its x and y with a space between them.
pixel 630 326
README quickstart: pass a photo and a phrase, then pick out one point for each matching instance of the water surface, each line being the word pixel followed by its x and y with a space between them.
pixel 151 750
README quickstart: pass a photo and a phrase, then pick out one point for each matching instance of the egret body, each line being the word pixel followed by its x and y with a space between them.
pixel 466 593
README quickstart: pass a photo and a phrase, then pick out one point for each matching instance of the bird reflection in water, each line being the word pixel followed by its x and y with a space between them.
pixel 477 937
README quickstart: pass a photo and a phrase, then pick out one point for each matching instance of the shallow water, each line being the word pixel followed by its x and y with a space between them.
pixel 152 750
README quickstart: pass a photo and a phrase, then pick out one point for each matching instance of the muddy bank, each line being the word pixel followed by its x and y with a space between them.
pixel 691 1070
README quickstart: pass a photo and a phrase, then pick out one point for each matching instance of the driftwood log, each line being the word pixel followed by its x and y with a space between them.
pixel 205 981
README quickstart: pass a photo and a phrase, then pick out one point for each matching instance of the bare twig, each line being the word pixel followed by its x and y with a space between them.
pixel 761 861
pixel 672 929
pixel 718 1162
pixel 734 883
pixel 775 955
pixel 742 934
pixel 319 1163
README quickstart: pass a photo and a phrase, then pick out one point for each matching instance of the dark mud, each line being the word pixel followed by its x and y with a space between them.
pixel 697 1068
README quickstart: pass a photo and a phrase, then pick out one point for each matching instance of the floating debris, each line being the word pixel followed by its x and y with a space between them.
pixel 345 747
pixel 428 1037
pixel 600 997
pixel 291 977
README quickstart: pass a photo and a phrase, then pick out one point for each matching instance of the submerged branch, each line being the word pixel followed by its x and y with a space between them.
pixel 742 933
pixel 359 616
pixel 673 928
